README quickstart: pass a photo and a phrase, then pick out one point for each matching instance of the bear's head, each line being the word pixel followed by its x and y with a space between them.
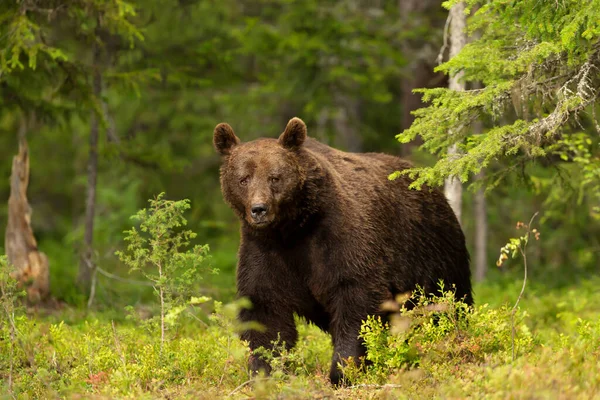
pixel 262 180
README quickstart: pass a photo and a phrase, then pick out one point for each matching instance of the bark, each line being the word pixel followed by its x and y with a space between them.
pixel 481 220
pixel 481 233
pixel 458 38
pixel 31 265
pixel 87 268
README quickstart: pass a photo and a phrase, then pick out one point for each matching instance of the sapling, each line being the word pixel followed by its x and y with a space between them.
pixel 159 248
pixel 514 247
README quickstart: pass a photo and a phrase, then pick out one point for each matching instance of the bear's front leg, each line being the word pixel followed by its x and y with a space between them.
pixel 278 324
pixel 350 309
pixel 346 344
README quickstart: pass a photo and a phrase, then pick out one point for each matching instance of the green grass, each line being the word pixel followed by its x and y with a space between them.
pixel 73 354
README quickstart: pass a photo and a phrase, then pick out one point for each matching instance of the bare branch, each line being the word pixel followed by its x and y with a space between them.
pixel 125 280
pixel 440 56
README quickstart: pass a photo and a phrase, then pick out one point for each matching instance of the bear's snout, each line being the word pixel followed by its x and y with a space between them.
pixel 258 212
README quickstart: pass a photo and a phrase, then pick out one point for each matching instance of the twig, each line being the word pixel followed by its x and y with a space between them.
pixel 197 319
pixel 92 286
pixel 237 389
pixel 7 298
pixel 584 91
pixel 118 343
pixel 108 275
pixel 125 280
pixel 374 386
pixel 161 293
pixel 226 362
pixel 595 120
pixel 523 250
pixel 12 351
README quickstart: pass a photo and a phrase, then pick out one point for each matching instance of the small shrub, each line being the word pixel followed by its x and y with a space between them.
pixel 159 250
pixel 438 334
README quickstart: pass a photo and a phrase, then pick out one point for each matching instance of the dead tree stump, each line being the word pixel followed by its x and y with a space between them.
pixel 31 265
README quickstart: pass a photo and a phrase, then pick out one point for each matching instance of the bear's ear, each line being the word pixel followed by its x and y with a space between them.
pixel 224 139
pixel 294 134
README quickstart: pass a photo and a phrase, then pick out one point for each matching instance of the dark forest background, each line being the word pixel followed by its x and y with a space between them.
pixel 168 71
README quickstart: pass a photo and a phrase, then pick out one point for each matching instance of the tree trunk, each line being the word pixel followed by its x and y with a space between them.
pixel 87 268
pixel 481 220
pixel 419 74
pixel 458 38
pixel 31 265
pixel 481 233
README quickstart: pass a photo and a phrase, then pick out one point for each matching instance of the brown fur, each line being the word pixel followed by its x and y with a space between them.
pixel 337 240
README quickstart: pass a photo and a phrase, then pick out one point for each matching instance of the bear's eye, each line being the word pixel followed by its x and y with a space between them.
pixel 244 181
pixel 274 179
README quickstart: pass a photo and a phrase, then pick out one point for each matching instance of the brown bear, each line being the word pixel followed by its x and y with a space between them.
pixel 326 235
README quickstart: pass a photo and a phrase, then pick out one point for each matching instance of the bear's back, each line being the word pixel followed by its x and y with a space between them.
pixel 409 227
pixel 360 174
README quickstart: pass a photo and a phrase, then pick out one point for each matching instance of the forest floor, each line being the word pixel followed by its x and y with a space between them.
pixel 72 353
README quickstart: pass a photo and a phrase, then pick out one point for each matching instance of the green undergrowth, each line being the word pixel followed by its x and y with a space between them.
pixel 437 350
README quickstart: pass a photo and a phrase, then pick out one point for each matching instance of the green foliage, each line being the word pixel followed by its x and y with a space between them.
pixel 532 125
pixel 161 244
pixel 428 353
pixel 538 62
pixel 44 67
pixel 579 150
pixel 341 48
pixel 23 42
pixel 10 294
pixel 439 333
pixel 311 355
pixel 97 357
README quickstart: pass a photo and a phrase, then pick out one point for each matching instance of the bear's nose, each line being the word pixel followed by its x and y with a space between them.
pixel 258 211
